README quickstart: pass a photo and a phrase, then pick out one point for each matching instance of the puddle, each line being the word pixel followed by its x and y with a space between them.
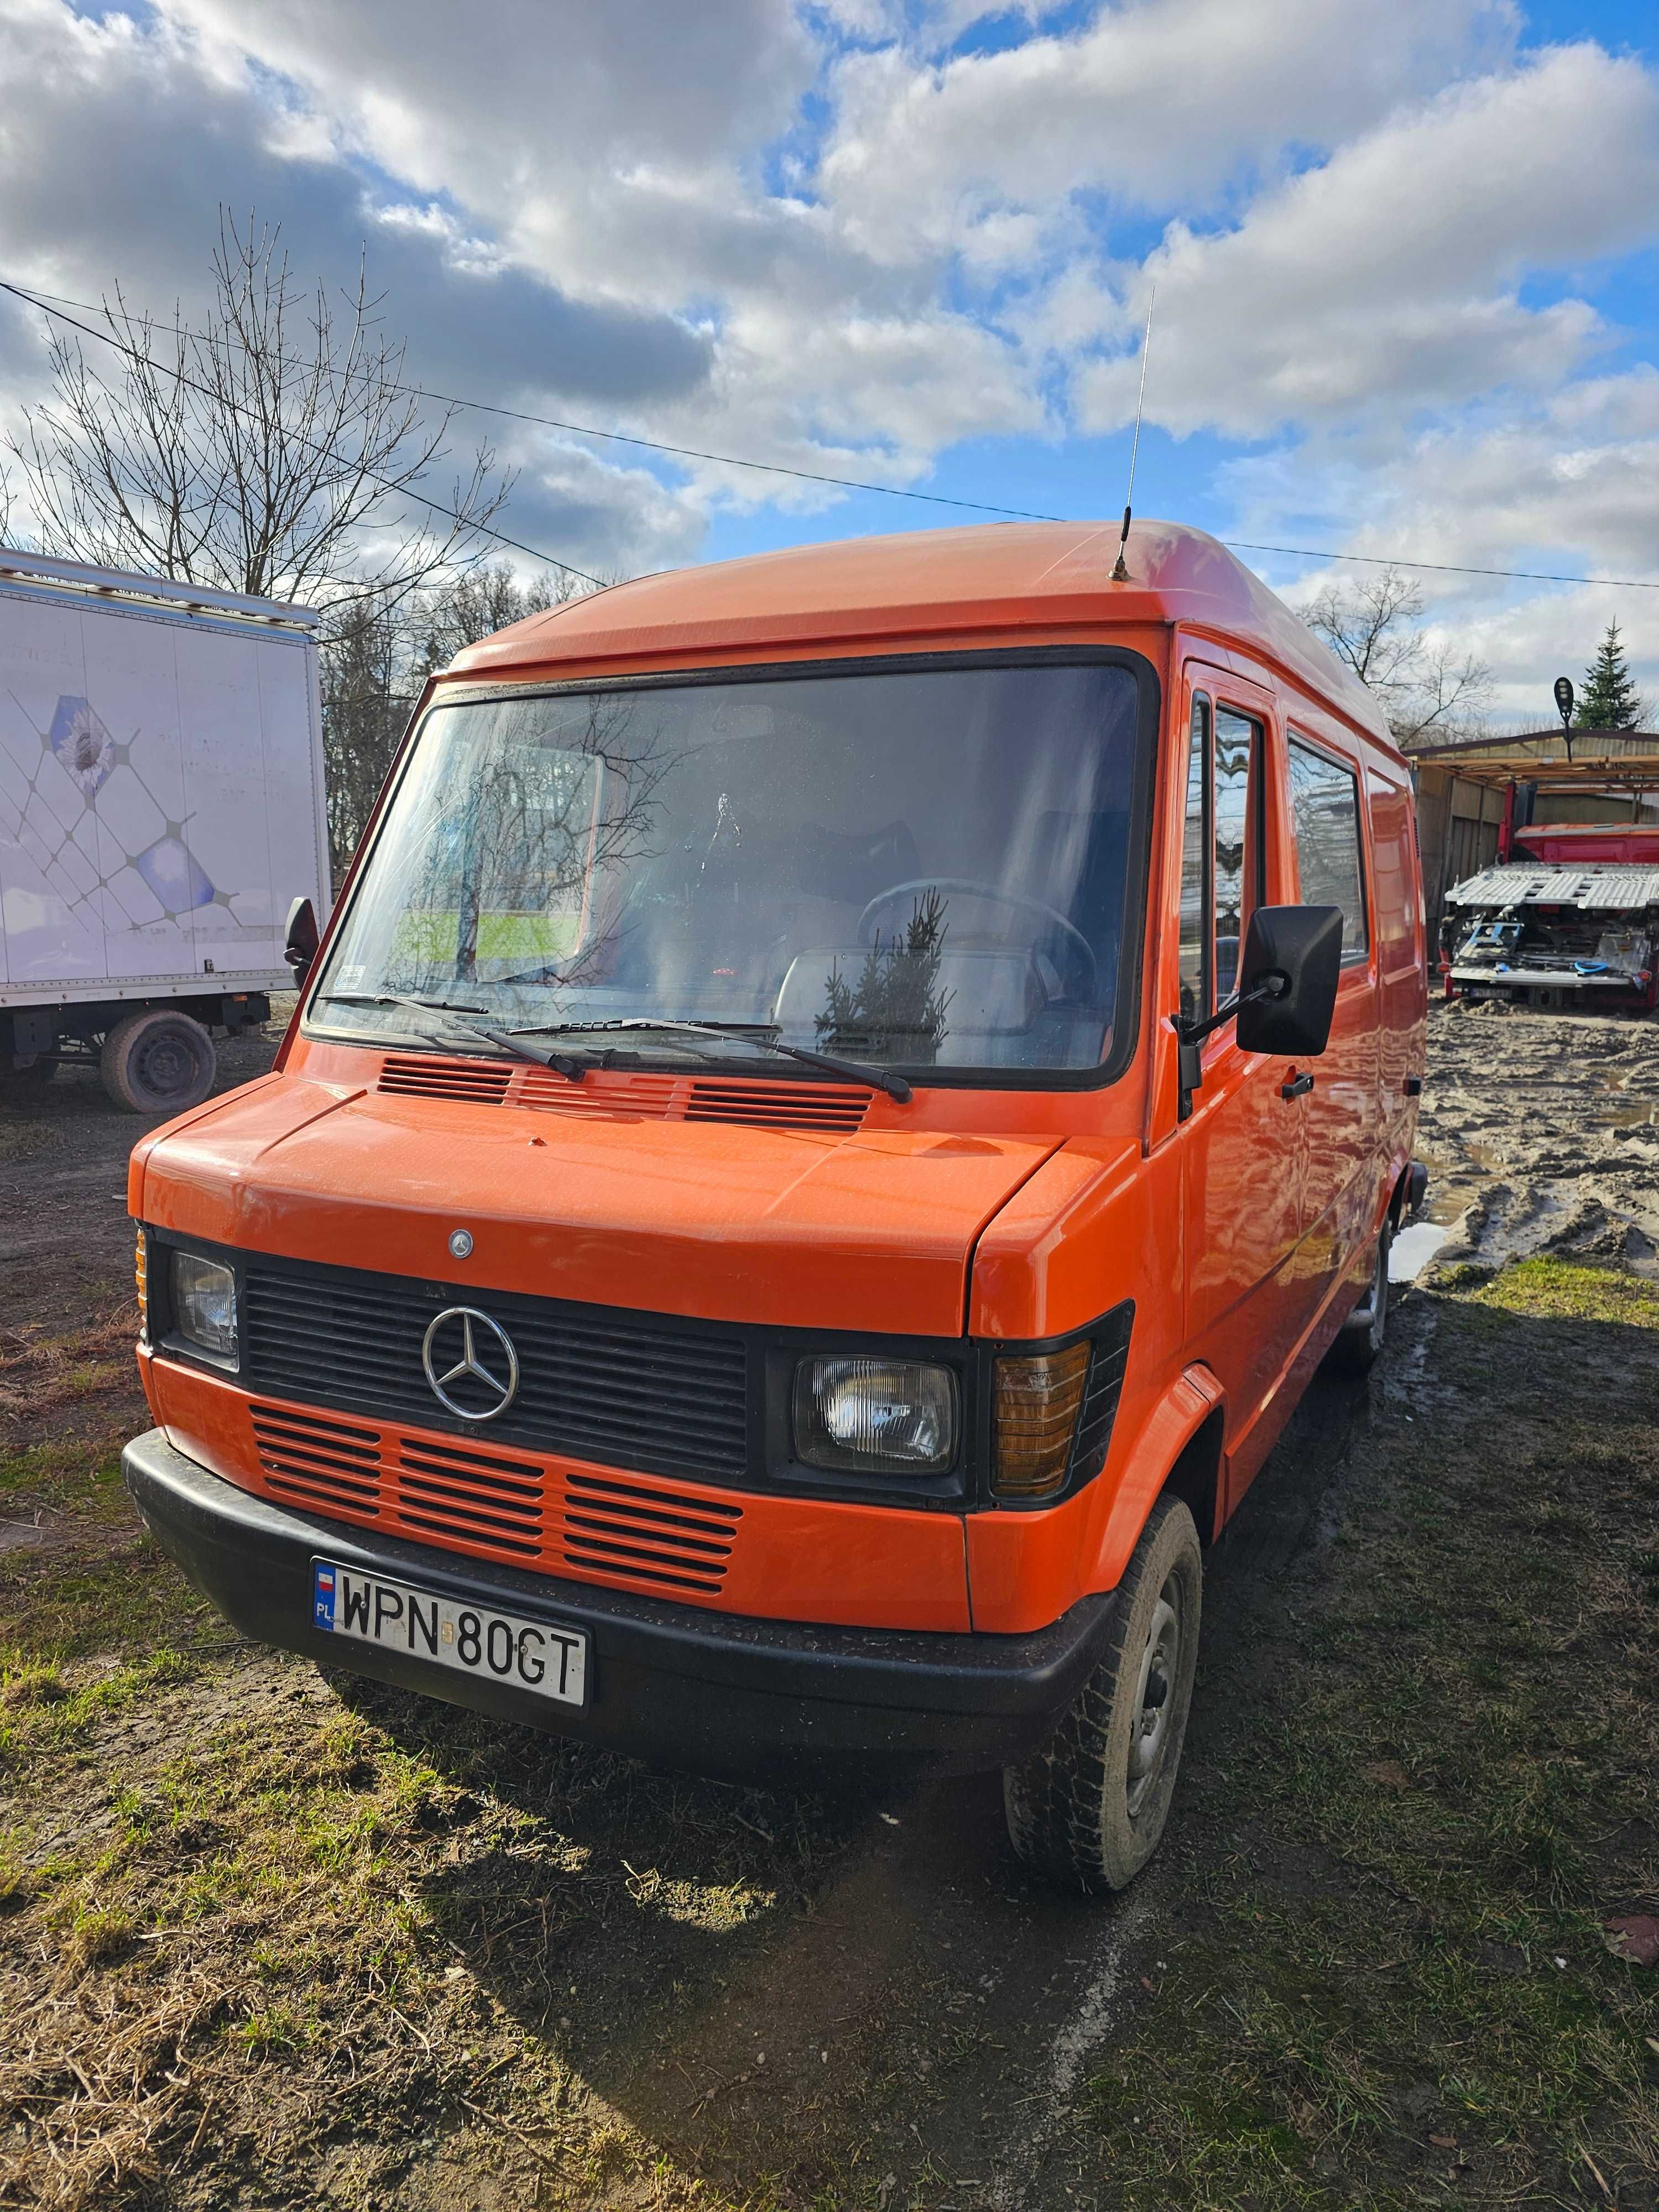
pixel 1412 1249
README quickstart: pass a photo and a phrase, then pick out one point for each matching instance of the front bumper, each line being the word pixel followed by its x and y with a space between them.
pixel 677 1685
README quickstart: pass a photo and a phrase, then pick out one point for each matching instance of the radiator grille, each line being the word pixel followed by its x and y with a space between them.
pixel 445 1491
pixel 632 1391
pixel 620 1527
pixel 322 1463
pixel 596 1527
pixel 834 1108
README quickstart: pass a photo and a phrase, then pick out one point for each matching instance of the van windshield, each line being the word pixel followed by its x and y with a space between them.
pixel 914 869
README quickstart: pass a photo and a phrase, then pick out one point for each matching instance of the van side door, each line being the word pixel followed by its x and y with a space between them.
pixel 1343 1167
pixel 1242 1143
pixel 1401 959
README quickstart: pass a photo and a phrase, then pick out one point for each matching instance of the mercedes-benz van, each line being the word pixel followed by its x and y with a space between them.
pixel 842 1101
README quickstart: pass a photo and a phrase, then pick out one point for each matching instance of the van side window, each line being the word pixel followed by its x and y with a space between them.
pixel 1325 821
pixel 1195 850
pixel 1236 816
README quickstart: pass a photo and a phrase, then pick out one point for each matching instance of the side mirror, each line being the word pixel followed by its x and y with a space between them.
pixel 303 939
pixel 1287 980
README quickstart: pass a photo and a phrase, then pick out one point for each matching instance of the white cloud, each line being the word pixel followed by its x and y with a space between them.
pixel 1389 277
pixel 1371 220
pixel 1156 104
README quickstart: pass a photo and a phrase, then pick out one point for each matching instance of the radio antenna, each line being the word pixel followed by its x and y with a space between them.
pixel 1120 573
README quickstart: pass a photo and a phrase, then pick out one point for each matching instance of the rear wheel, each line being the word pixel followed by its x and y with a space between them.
pixel 157 1062
pixel 1089 1808
pixel 1357 1347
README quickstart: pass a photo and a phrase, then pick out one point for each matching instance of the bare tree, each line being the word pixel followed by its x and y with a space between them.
pixel 368 691
pixel 483 599
pixel 275 451
pixel 1429 692
pixel 377 654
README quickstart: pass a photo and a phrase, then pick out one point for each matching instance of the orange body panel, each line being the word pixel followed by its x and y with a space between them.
pixel 866 1232
pixel 776 1558
pixel 1012 1215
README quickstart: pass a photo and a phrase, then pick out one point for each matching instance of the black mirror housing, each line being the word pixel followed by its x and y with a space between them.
pixel 302 939
pixel 1295 953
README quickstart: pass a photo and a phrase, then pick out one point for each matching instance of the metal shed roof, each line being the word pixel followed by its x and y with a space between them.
pixel 1620 889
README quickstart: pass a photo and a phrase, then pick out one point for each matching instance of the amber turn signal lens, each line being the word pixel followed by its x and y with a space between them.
pixel 140 1272
pixel 1037 1403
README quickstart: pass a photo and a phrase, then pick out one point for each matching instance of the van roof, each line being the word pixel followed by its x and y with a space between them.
pixel 931 584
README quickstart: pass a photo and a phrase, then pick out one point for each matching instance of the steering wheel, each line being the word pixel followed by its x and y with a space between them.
pixel 1068 929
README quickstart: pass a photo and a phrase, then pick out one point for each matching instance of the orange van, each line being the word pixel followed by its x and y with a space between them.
pixel 842 1101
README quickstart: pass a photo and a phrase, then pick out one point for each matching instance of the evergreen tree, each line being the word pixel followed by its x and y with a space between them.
pixel 1609 700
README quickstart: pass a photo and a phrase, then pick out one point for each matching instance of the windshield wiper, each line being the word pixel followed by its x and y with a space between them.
pixel 396 999
pixel 561 1063
pixel 758 1034
pixel 574 1071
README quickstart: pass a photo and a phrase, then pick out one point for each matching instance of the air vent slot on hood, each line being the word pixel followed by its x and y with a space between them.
pixel 831 1108
pixel 484 1081
pixel 778 1105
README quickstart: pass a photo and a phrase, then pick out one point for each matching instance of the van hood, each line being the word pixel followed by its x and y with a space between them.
pixel 872 1230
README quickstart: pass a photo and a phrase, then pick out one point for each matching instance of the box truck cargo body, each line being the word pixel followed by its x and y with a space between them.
pixel 162 806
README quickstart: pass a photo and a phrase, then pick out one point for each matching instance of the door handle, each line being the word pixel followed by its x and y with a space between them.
pixel 1297 1088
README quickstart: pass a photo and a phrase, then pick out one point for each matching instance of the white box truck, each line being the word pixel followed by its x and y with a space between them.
pixel 161 808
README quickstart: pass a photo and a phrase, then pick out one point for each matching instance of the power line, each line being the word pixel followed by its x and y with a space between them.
pixel 844 483
pixel 395 491
pixel 732 461
pixel 659 446
pixel 1443 567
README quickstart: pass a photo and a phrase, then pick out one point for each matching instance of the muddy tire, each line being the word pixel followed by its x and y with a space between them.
pixel 1087 1810
pixel 1361 1338
pixel 157 1062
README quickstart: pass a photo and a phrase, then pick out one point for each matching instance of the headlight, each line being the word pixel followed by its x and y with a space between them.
pixel 204 1304
pixel 863 1416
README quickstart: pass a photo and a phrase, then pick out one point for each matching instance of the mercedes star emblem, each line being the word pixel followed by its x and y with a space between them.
pixel 486 1373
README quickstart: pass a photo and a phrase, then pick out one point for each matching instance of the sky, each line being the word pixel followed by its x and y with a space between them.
pixel 1406 260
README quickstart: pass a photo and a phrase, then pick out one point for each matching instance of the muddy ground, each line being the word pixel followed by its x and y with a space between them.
pixel 270 1941
pixel 1543 1133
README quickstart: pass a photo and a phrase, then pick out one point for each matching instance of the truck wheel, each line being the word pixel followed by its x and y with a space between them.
pixel 1360 1340
pixel 157 1062
pixel 1088 1809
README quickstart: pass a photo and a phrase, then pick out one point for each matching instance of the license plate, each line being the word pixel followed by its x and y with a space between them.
pixel 528 1655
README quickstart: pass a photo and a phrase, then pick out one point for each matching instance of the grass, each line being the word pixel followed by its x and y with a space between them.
pixel 1392 1990
pixel 268 1940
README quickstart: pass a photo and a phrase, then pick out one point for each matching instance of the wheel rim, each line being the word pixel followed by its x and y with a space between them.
pixel 166 1065
pixel 1155 1692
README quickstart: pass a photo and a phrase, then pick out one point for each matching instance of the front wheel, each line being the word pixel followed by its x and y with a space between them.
pixel 1088 1809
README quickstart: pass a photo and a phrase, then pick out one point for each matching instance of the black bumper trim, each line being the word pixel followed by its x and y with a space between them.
pixel 674 1684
